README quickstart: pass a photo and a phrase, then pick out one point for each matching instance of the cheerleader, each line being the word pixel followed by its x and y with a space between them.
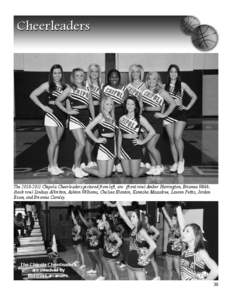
pixel 195 264
pixel 105 124
pixel 153 98
pixel 154 233
pixel 175 123
pixel 118 93
pixel 129 143
pixel 77 241
pixel 93 243
pixel 174 245
pixel 78 105
pixel 136 85
pixel 141 246
pixel 94 84
pixel 111 250
pixel 55 119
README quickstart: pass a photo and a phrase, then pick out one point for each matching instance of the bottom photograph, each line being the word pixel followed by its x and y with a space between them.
pixel 93 240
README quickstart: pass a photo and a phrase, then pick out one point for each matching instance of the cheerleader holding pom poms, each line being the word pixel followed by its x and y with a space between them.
pixel 141 245
pixel 77 241
pixel 106 140
pixel 129 142
pixel 176 122
pixel 154 98
pixel 195 264
pixel 55 118
pixel 78 106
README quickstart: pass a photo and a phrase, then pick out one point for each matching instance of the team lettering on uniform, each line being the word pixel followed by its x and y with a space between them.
pixel 95 90
pixel 116 93
pixel 152 99
pixel 80 95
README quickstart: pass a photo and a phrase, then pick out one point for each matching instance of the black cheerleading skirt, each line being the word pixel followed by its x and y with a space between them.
pixel 118 111
pixel 96 110
pixel 57 117
pixel 177 115
pixel 156 123
pixel 132 260
pixel 130 151
pixel 78 242
pixel 172 251
pixel 106 151
pixel 113 255
pixel 79 121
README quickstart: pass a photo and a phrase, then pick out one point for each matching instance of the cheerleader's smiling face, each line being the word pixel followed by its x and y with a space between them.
pixel 134 219
pixel 79 77
pixel 173 73
pixel 188 235
pixel 57 75
pixel 108 105
pixel 136 74
pixel 114 79
pixel 130 106
pixel 153 80
pixel 94 73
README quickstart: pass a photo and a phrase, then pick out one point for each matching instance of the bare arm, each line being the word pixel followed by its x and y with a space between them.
pixel 170 101
pixel 166 216
pixel 191 93
pixel 90 127
pixel 148 128
pixel 60 99
pixel 210 263
pixel 124 216
pixel 73 218
pixel 180 218
pixel 119 141
pixel 155 230
pixel 91 107
pixel 83 219
pixel 36 93
pixel 119 241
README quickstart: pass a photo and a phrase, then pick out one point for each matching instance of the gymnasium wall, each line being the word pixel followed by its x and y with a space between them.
pixel 198 70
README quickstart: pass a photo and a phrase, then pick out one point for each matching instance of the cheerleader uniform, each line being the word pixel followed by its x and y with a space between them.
pixel 128 149
pixel 79 97
pixel 192 267
pixel 153 100
pixel 106 151
pixel 76 235
pixel 58 117
pixel 109 251
pixel 136 91
pixel 92 239
pixel 137 249
pixel 177 114
pixel 174 247
pixel 118 95
pixel 95 92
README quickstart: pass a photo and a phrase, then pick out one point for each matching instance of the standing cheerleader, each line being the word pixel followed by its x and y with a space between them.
pixel 136 85
pixel 176 121
pixel 129 143
pixel 55 118
pixel 153 98
pixel 174 246
pixel 78 106
pixel 106 141
pixel 195 264
pixel 94 84
pixel 93 243
pixel 118 93
pixel 154 233
pixel 111 250
pixel 141 246
pixel 77 241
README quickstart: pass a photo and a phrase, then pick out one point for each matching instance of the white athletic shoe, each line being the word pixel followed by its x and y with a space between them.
pixel 101 278
pixel 53 171
pixel 59 169
pixel 156 278
pixel 147 165
pixel 83 165
pixel 150 172
pixel 90 164
pixel 119 168
pixel 142 165
pixel 91 272
pixel 174 167
pixel 77 172
pixel 162 168
pixel 155 171
pixel 180 168
pixel 82 267
pixel 122 266
pixel 84 173
pixel 94 163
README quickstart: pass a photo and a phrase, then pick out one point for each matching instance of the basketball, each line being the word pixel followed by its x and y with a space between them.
pixel 188 24
pixel 204 37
